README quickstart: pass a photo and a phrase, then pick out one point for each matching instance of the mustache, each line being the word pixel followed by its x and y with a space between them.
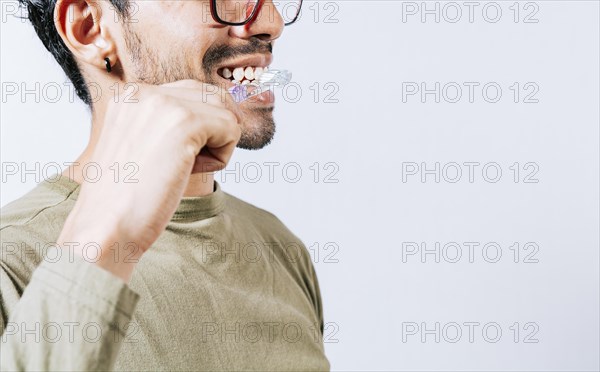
pixel 219 53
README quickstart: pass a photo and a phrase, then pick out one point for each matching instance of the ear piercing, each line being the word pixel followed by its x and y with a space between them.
pixel 108 67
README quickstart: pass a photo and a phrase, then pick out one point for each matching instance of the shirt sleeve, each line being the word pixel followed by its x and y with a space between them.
pixel 73 315
pixel 318 302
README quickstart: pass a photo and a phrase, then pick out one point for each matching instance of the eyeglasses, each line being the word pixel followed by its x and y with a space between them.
pixel 241 12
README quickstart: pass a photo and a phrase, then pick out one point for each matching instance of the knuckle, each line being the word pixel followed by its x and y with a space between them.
pixel 191 148
pixel 230 117
pixel 181 114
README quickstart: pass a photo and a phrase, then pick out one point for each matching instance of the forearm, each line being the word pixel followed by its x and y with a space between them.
pixel 102 244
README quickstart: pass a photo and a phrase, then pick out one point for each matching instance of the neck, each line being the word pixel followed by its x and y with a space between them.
pixel 199 184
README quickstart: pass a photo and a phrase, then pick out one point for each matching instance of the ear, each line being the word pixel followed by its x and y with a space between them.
pixel 79 24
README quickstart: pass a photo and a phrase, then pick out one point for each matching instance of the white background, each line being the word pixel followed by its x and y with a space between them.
pixel 372 293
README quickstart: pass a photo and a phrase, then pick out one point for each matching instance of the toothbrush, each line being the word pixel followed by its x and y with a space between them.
pixel 267 81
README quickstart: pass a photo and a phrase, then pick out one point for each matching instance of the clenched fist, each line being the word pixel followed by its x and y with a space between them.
pixel 170 132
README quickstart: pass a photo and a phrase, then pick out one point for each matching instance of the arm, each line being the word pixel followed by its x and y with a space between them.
pixel 72 315
pixel 89 304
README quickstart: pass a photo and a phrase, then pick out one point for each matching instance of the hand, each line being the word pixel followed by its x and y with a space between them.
pixel 172 131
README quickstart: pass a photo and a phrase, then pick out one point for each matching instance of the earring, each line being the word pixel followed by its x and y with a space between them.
pixel 108 67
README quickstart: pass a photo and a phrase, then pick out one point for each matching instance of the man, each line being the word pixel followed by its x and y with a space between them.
pixel 147 264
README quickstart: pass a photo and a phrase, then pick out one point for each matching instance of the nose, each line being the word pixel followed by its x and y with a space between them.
pixel 267 24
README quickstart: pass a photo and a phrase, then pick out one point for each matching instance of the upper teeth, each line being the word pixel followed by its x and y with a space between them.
pixel 249 73
pixel 240 73
pixel 257 72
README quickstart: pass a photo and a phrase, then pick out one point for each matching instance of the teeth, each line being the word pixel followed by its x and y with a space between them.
pixel 249 73
pixel 245 82
pixel 238 73
pixel 257 72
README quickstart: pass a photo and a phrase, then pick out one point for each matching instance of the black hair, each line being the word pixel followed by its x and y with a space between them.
pixel 41 15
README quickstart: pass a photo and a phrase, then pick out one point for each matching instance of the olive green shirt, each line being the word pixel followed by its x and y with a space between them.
pixel 226 287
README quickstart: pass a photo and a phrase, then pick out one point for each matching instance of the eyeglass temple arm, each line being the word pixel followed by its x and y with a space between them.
pixel 259 5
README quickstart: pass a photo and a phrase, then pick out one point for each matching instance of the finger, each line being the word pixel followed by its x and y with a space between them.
pixel 213 159
pixel 201 92
pixel 211 126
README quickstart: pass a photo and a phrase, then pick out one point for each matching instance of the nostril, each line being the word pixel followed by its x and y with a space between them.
pixel 265 37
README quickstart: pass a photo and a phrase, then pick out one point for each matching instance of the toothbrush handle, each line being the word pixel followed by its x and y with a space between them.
pixel 240 93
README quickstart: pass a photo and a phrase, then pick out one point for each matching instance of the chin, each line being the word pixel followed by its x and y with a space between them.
pixel 259 130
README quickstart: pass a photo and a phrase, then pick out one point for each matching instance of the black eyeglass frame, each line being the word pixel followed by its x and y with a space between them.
pixel 251 18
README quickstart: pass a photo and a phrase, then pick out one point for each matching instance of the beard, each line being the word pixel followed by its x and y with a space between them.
pixel 258 126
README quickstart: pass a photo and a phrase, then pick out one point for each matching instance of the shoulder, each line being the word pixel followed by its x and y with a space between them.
pixel 257 217
pixel 290 251
pixel 47 199
pixel 31 224
pixel 273 233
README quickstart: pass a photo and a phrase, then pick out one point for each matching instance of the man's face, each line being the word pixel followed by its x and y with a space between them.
pixel 172 40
